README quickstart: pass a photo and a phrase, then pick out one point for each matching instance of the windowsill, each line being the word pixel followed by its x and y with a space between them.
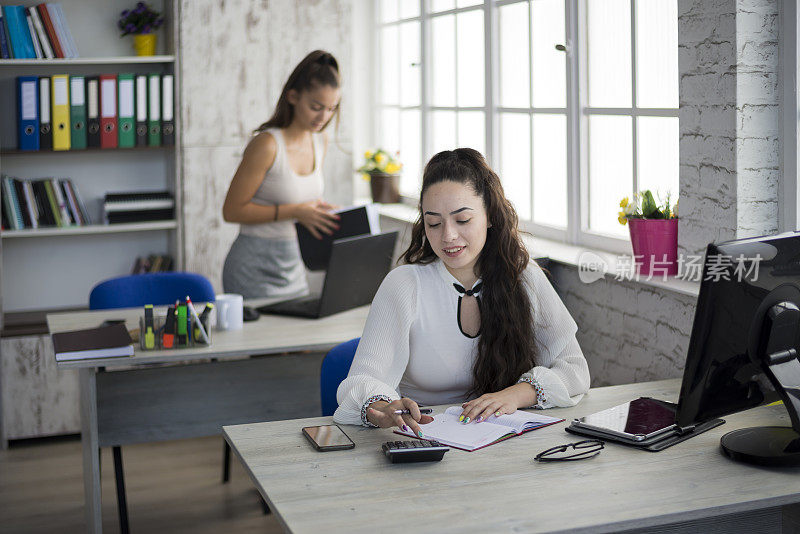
pixel 572 255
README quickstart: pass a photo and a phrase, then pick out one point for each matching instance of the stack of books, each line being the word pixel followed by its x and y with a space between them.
pixel 138 206
pixel 154 263
pixel 125 110
pixel 47 202
pixel 36 32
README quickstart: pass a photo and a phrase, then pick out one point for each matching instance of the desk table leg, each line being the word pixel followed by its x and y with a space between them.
pixel 90 446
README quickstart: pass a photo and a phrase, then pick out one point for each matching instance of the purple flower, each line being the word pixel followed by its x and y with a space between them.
pixel 140 4
pixel 159 22
pixel 125 13
pixel 129 28
pixel 146 29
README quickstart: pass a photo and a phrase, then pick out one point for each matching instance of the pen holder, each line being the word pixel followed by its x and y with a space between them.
pixel 183 337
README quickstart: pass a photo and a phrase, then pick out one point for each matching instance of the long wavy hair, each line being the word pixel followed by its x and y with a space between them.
pixel 506 347
pixel 319 68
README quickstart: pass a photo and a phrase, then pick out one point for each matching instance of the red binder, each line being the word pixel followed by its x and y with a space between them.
pixel 108 111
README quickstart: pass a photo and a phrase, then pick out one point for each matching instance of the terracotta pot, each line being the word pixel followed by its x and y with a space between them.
pixel 385 188
pixel 655 245
pixel 145 44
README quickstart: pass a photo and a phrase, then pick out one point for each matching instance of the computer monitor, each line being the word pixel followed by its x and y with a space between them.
pixel 744 344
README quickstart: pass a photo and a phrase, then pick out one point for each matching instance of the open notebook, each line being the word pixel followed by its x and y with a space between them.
pixel 446 429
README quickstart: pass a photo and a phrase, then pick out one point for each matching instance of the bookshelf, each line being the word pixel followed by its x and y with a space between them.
pixel 50 269
pixel 55 268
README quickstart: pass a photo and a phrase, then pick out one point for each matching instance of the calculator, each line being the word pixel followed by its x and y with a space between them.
pixel 401 452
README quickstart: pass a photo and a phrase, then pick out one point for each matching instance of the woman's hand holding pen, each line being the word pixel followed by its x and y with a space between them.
pixel 499 403
pixel 317 217
pixel 382 414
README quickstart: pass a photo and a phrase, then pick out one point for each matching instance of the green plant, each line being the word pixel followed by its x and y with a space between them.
pixel 140 19
pixel 644 206
pixel 378 162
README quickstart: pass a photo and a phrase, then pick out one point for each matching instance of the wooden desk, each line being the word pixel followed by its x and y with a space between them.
pixel 690 487
pixel 131 400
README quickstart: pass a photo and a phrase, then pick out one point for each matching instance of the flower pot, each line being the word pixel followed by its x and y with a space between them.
pixel 385 187
pixel 655 246
pixel 145 44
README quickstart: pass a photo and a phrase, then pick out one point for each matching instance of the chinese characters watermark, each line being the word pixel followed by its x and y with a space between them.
pixel 592 267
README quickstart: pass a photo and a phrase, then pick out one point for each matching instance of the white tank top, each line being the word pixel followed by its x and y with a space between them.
pixel 282 185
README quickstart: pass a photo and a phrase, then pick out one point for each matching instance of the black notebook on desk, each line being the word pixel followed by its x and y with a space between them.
pixel 353 222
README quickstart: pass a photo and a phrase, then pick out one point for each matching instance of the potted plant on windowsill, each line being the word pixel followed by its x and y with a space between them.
pixel 142 21
pixel 654 233
pixel 382 171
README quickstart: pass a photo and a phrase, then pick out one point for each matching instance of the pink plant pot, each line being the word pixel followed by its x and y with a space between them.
pixel 655 246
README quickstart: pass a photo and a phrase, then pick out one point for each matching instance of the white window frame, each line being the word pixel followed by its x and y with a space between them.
pixel 577 113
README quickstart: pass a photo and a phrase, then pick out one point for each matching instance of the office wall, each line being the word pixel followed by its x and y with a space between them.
pixel 729 120
pixel 730 173
pixel 235 58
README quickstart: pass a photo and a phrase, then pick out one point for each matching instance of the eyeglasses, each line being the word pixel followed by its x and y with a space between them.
pixel 583 449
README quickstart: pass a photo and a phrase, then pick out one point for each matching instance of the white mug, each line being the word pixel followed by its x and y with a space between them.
pixel 229 311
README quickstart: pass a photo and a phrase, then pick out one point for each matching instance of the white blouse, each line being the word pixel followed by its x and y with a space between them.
pixel 412 345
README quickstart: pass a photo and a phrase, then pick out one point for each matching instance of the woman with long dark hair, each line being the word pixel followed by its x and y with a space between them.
pixel 280 181
pixel 469 320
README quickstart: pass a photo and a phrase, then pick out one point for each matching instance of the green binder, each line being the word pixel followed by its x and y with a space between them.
pixel 77 112
pixel 154 109
pixel 125 111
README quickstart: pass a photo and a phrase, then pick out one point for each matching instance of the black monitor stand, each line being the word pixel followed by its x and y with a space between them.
pixel 774 445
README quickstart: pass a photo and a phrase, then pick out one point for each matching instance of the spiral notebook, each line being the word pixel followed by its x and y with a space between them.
pixel 445 428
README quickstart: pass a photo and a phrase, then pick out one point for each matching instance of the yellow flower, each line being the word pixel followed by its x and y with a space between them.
pixel 368 154
pixel 622 219
pixel 380 159
pixel 392 168
pixel 365 176
pixel 624 202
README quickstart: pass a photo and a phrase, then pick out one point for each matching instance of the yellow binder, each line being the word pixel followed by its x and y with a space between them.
pixel 60 110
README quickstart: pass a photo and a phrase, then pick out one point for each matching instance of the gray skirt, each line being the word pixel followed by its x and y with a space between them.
pixel 257 267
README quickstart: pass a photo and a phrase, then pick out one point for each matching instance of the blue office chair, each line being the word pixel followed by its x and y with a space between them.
pixel 138 290
pixel 151 288
pixel 335 367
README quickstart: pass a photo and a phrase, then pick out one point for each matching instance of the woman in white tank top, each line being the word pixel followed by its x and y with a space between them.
pixel 279 181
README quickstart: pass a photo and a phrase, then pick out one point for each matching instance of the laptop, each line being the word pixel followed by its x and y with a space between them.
pixel 356 269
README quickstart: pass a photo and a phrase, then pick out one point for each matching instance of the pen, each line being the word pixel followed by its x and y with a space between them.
pixel 408 412
pixel 198 324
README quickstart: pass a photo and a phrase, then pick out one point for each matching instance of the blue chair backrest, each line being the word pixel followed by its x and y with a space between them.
pixel 151 288
pixel 335 367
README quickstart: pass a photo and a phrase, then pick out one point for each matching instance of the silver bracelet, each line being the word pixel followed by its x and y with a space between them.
pixel 540 398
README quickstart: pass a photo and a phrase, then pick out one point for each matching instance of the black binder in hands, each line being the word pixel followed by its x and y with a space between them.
pixel 354 221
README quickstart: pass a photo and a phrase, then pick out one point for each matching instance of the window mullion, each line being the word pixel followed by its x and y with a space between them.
pixel 425 123
pixel 577 203
pixel 530 110
pixel 491 74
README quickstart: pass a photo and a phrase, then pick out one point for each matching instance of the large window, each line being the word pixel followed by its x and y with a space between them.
pixel 575 103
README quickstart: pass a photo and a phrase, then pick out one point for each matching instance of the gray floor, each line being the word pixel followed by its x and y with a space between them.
pixel 172 487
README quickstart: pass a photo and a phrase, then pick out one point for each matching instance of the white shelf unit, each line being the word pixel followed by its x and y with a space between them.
pixel 116 60
pixel 50 268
